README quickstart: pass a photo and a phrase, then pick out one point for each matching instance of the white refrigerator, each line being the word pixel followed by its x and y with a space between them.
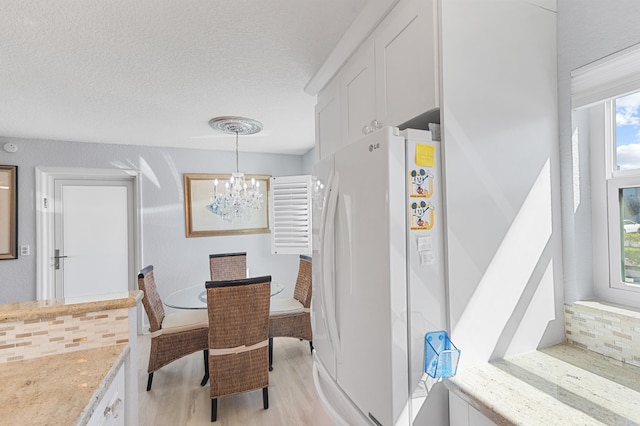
pixel 378 278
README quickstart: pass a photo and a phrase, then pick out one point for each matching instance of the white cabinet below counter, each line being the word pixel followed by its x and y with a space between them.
pixel 110 410
pixel 462 414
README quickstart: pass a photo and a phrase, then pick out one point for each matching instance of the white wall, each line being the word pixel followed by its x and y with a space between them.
pixel 587 30
pixel 178 261
pixel 500 143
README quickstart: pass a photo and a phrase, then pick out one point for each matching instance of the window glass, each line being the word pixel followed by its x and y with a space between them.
pixel 627 132
pixel 630 228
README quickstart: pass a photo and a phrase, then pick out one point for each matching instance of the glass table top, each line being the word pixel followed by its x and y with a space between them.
pixel 195 297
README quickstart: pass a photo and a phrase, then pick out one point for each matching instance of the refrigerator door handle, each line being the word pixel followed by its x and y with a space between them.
pixel 321 276
pixel 328 285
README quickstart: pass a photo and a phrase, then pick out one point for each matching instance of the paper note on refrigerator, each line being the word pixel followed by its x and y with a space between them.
pixel 427 257
pixel 425 243
pixel 425 155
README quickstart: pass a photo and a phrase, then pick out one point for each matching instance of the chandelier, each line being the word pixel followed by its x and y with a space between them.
pixel 239 198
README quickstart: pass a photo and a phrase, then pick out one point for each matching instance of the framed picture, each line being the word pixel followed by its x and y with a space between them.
pixel 203 221
pixel 8 212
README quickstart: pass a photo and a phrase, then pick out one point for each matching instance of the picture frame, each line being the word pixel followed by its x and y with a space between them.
pixel 8 212
pixel 200 221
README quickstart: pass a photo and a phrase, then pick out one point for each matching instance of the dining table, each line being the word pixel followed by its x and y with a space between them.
pixel 195 297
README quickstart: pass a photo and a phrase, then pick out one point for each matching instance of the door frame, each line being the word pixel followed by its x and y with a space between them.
pixel 45 219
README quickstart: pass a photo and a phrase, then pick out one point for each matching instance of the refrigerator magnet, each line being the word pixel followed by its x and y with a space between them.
pixel 421 182
pixel 422 215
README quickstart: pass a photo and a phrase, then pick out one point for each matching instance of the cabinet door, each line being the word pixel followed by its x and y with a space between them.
pixel 328 127
pixel 462 414
pixel 111 408
pixel 406 52
pixel 358 94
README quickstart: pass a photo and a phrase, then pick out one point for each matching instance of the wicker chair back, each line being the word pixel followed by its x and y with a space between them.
pixel 228 266
pixel 238 334
pixel 151 301
pixel 302 290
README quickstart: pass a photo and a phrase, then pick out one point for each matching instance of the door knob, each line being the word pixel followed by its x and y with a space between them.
pixel 57 257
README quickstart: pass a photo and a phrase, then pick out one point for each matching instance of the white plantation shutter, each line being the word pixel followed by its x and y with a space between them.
pixel 290 201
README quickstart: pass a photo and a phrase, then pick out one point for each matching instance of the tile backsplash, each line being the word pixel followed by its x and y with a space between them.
pixel 603 328
pixel 63 333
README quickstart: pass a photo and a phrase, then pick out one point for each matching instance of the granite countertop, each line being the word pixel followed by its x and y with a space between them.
pixel 33 310
pixel 558 385
pixel 59 389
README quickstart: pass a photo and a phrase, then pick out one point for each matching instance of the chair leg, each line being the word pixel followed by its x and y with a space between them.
pixel 149 380
pixel 205 379
pixel 265 398
pixel 270 353
pixel 214 409
pixel 311 346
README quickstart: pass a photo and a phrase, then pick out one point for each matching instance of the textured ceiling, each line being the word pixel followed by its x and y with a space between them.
pixel 153 72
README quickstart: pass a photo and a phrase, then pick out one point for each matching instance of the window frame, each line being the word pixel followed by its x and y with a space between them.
pixel 615 180
pixel 593 87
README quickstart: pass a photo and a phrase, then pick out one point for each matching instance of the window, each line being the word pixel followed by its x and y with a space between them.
pixel 605 97
pixel 627 160
pixel 623 191
pixel 627 132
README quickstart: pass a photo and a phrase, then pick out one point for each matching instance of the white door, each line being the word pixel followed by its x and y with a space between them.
pixel 92 237
pixel 88 231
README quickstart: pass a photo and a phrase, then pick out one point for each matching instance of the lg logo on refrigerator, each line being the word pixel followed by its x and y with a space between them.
pixel 374 146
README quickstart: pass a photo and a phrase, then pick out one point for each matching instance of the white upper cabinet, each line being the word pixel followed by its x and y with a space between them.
pixel 390 79
pixel 328 129
pixel 406 52
pixel 358 93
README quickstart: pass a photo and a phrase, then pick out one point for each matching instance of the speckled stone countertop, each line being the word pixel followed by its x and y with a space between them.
pixel 558 385
pixel 59 389
pixel 78 305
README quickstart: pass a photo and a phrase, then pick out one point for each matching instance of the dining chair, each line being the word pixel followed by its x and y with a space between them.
pixel 290 317
pixel 228 266
pixel 173 335
pixel 238 337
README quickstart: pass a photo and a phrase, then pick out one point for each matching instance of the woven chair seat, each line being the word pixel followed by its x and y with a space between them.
pixel 182 321
pixel 285 306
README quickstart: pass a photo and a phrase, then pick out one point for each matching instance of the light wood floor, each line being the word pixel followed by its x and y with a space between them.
pixel 176 397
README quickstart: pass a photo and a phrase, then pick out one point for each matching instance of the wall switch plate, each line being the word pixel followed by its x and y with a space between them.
pixel 25 250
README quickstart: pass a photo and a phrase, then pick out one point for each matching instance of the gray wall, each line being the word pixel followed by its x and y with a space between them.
pixel 308 161
pixel 178 261
pixel 587 30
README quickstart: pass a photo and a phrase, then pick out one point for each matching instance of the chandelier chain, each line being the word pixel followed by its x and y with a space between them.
pixel 237 169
